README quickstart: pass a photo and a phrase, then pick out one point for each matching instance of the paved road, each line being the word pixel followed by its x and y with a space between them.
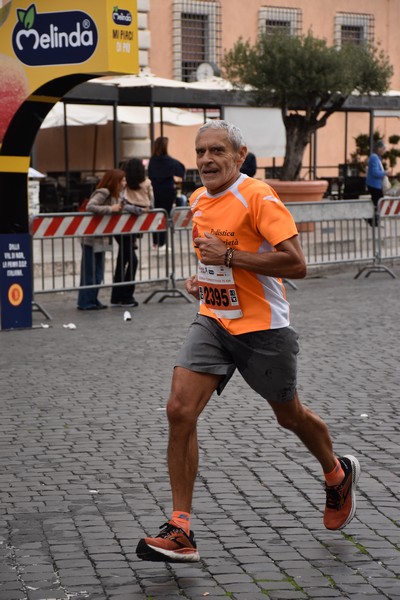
pixel 82 445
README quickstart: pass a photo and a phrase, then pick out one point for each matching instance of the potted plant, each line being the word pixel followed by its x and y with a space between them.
pixel 307 79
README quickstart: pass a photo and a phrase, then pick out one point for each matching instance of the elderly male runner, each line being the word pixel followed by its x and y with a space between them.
pixel 246 241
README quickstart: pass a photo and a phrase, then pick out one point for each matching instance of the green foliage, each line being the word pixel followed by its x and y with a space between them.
pixel 394 139
pixel 306 79
pixel 304 72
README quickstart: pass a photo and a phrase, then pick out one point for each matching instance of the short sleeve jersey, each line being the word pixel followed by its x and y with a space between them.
pixel 250 217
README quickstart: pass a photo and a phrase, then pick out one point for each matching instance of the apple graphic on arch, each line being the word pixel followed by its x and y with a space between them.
pixel 14 89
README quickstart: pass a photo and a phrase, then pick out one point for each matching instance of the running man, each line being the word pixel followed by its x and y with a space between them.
pixel 246 242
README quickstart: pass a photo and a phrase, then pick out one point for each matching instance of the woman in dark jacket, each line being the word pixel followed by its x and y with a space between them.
pixel 162 170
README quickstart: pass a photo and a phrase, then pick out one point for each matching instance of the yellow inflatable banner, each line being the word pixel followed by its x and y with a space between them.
pixel 47 47
pixel 48 39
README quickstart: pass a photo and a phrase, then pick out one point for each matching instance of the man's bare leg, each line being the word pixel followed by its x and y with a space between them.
pixel 341 475
pixel 309 428
pixel 190 393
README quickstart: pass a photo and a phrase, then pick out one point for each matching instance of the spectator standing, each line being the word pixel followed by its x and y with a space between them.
pixel 162 171
pixel 105 200
pixel 137 197
pixel 375 175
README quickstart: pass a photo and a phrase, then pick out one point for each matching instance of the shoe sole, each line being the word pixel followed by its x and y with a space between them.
pixel 146 552
pixel 356 470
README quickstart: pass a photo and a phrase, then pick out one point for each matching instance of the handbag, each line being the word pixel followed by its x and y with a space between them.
pixel 386 185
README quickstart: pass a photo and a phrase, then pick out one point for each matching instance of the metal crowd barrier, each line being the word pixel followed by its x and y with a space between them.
pixel 183 256
pixel 387 241
pixel 330 233
pixel 56 241
pixel 335 232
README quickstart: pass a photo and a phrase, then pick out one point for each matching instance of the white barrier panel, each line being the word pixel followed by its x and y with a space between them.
pixel 338 210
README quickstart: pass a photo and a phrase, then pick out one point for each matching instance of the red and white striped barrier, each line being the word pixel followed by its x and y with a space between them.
pixel 182 217
pixel 72 225
pixel 389 207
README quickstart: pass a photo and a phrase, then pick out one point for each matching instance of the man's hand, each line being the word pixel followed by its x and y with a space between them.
pixel 212 249
pixel 192 286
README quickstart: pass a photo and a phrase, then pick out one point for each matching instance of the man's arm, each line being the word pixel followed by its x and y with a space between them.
pixel 287 261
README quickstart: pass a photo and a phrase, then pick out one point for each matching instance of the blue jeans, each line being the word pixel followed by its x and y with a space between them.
pixel 92 272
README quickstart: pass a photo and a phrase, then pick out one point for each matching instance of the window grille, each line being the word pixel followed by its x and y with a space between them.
pixel 285 20
pixel 353 28
pixel 197 32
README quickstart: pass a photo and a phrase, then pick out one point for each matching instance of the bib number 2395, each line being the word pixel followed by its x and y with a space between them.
pixel 218 291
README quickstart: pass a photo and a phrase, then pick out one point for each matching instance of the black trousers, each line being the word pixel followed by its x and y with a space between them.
pixel 376 195
pixel 125 269
pixel 165 202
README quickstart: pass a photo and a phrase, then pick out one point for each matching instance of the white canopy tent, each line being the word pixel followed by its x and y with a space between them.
pixel 75 115
pixel 146 99
pixel 143 79
pixel 84 114
pixel 215 83
pixel 262 128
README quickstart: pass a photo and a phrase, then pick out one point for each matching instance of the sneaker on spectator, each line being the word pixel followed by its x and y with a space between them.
pixel 341 499
pixel 170 545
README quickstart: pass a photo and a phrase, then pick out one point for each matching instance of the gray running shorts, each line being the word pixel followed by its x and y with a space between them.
pixel 267 360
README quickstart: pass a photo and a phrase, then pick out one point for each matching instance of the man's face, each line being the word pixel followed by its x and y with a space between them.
pixel 218 163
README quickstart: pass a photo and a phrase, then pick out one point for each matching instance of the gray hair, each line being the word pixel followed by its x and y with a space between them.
pixel 378 145
pixel 234 134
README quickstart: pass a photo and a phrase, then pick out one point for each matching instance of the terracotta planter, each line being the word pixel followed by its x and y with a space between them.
pixel 300 191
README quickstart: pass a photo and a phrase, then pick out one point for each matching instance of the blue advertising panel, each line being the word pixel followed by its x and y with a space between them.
pixel 15 281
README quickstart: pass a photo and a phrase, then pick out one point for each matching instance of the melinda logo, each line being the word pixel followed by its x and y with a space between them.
pixel 58 38
pixel 121 17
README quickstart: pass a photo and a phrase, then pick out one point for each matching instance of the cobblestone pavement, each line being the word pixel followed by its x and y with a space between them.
pixel 82 451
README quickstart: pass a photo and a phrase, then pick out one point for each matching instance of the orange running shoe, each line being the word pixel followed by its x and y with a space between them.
pixel 341 499
pixel 171 545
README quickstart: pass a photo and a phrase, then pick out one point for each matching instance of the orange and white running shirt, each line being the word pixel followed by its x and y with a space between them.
pixel 248 216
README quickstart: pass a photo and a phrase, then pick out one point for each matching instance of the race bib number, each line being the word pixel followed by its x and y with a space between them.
pixel 218 291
